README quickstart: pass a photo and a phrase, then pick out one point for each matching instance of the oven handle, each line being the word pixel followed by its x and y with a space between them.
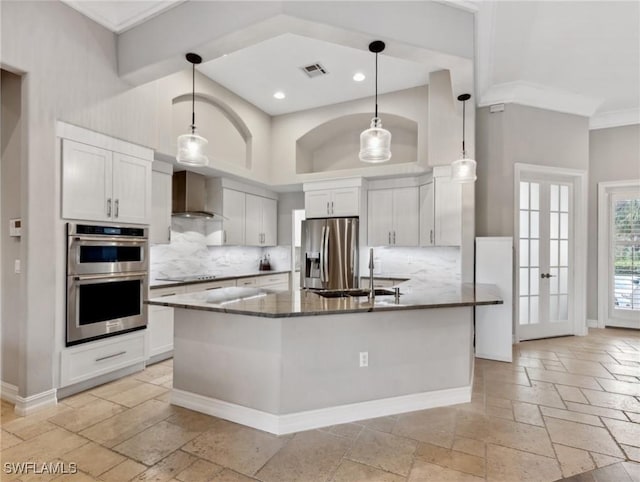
pixel 118 276
pixel 109 239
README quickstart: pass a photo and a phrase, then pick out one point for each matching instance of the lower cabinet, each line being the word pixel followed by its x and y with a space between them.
pixel 90 360
pixel 159 331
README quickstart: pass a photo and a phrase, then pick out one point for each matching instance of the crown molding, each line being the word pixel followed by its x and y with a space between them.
pixel 466 5
pixel 615 118
pixel 541 96
pixel 110 19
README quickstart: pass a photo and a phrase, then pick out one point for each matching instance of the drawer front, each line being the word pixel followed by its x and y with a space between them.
pixel 94 359
pixel 175 290
pixel 274 279
pixel 247 281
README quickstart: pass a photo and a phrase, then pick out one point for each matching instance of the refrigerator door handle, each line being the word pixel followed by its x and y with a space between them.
pixel 321 255
pixel 325 252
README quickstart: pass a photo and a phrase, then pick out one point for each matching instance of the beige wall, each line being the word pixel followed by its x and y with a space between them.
pixel 614 155
pixel 10 174
pixel 521 134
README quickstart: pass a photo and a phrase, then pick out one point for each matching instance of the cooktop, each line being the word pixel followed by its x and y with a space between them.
pixel 197 277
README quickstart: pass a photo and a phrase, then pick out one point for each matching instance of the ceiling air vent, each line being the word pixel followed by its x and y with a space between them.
pixel 314 70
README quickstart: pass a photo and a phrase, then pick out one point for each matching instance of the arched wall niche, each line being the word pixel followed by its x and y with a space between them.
pixel 230 140
pixel 334 145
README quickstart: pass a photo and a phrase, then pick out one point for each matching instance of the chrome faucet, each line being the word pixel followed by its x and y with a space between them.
pixel 372 291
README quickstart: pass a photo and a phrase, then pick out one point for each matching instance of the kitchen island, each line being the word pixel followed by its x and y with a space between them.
pixel 286 361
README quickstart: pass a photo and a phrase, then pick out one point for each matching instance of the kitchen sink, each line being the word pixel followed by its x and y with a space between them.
pixel 353 292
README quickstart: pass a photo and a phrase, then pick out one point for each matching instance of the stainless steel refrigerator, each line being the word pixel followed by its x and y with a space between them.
pixel 329 253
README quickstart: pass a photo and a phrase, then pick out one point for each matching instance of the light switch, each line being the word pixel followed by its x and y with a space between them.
pixel 16 266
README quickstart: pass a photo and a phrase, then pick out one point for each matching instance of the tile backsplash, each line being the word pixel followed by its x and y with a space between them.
pixel 188 254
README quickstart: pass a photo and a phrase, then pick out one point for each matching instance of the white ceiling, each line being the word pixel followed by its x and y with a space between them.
pixel 581 57
pixel 257 72
pixel 120 15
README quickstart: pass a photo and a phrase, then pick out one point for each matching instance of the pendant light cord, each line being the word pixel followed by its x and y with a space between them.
pixel 193 98
pixel 464 116
pixel 376 115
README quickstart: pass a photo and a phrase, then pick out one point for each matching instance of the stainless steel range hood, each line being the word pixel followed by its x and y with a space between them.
pixel 189 196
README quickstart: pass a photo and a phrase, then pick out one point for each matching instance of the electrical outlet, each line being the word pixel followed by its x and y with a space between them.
pixel 364 359
pixel 16 266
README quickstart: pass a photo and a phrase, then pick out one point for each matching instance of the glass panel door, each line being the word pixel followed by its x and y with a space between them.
pixel 624 260
pixel 545 259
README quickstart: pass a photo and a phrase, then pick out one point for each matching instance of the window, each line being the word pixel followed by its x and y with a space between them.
pixel 625 250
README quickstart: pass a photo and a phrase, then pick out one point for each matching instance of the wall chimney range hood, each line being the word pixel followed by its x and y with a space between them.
pixel 188 198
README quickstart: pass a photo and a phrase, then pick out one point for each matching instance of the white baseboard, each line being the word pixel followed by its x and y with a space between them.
pixel 489 356
pixel 27 405
pixel 311 419
pixel 8 392
pixel 592 323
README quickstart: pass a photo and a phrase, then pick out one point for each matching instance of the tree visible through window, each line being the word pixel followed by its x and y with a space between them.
pixel 626 251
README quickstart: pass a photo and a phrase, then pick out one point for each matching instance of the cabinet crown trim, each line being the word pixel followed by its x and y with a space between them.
pixel 103 141
pixel 333 184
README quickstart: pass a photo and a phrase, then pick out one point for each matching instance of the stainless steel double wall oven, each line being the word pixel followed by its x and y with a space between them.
pixel 107 270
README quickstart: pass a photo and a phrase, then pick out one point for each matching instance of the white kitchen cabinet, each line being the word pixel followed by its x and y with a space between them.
pixel 210 285
pixel 160 228
pixel 426 215
pixel 279 281
pixel 441 213
pixel 233 224
pixel 393 217
pixel 261 221
pixel 90 360
pixel 103 185
pixel 160 324
pixel 338 202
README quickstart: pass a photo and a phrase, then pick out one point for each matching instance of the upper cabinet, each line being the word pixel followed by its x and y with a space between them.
pixel 261 221
pixel 160 228
pixel 441 212
pixel 249 218
pixel 332 199
pixel 100 182
pixel 392 216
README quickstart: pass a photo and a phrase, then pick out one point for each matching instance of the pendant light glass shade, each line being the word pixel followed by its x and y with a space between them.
pixel 191 149
pixel 463 170
pixel 375 142
pixel 191 146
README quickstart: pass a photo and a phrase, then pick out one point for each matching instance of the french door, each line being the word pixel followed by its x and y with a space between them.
pixel 545 258
pixel 623 256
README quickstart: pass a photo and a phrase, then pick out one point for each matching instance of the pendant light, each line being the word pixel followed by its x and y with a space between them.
pixel 375 142
pixel 191 146
pixel 463 170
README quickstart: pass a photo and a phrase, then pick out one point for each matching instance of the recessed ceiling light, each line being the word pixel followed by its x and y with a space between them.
pixel 359 77
pixel 279 95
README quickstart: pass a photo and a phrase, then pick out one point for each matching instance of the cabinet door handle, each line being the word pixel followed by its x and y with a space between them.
pixel 109 207
pixel 117 207
pixel 224 235
pixel 169 234
pixel 328 212
pixel 394 237
pixel 431 236
pixel 331 207
pixel 389 237
pixel 110 356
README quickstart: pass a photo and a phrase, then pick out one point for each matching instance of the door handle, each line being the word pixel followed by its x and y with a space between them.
pixel 224 235
pixel 331 207
pixel 117 207
pixel 110 356
pixel 328 212
pixel 547 275
pixel 325 254
pixel 109 207
pixel 389 237
pixel 322 255
pixel 431 236
pixel 169 234
pixel 394 237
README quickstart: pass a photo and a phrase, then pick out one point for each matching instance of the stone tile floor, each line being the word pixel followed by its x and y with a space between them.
pixel 565 406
